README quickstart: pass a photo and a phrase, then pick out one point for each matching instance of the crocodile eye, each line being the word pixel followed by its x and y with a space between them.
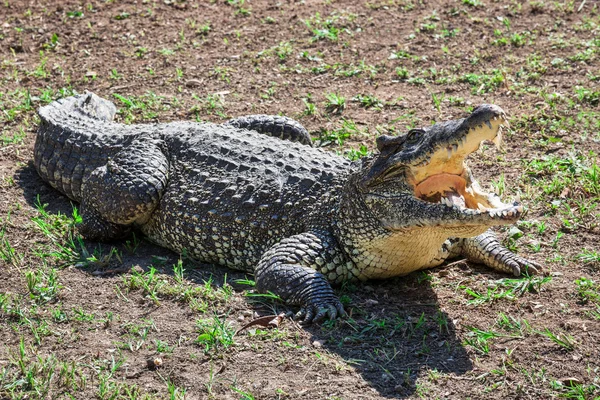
pixel 414 135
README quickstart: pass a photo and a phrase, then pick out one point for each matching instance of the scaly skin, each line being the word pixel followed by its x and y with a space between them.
pixel 297 217
pixel 273 125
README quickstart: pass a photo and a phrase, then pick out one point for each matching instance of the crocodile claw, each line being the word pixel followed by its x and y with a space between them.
pixel 318 311
pixel 520 265
pixel 486 249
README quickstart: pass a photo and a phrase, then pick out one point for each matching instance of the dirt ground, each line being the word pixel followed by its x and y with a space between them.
pixel 82 319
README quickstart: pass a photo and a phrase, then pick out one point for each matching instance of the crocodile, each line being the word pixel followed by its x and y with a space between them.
pixel 252 194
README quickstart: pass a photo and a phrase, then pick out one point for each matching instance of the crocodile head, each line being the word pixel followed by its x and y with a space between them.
pixel 421 178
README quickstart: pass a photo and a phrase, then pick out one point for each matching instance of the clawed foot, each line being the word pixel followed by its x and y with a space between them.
pixel 317 311
pixel 520 265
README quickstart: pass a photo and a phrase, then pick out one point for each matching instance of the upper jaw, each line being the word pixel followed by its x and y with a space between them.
pixel 458 140
pixel 446 179
pixel 440 175
pixel 444 148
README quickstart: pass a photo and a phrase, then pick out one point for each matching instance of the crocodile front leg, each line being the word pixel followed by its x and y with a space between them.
pixel 289 270
pixel 124 191
pixel 273 125
pixel 486 249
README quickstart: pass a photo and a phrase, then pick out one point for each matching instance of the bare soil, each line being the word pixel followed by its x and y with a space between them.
pixel 422 61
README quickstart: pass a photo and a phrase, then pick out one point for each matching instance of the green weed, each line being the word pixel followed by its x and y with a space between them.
pixel 507 288
pixel 335 103
pixel 214 334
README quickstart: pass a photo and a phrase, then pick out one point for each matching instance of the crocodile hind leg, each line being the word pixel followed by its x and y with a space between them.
pixel 273 125
pixel 486 249
pixel 289 270
pixel 124 191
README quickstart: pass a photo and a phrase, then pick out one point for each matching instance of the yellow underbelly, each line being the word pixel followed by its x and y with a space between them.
pixel 401 253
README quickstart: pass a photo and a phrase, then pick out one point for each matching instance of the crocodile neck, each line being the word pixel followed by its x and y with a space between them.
pixel 378 252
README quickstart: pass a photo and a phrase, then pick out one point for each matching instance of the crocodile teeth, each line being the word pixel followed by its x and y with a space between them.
pixel 447 202
pixel 449 152
pixel 498 138
pixel 455 147
pixel 489 124
pixel 481 207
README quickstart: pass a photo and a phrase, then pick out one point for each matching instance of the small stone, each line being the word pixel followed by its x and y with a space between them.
pixel 318 343
pixel 399 389
pixel 154 362
pixel 371 302
pixel 241 318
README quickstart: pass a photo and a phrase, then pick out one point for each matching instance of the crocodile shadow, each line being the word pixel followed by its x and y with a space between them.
pixel 396 334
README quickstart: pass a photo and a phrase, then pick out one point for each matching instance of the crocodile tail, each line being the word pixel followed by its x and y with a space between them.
pixel 95 107
pixel 76 135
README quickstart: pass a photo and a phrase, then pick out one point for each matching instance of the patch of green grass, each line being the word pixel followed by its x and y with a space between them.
pixel 52 43
pixel 157 286
pixel 328 28
pixel 587 256
pixel 577 171
pixel 8 253
pixel 480 340
pixel 339 135
pixel 368 101
pixel 212 103
pixel 64 246
pixel 14 106
pixel 514 326
pixel 140 108
pixel 214 334
pixel 310 108
pixel 27 374
pixel 576 390
pixel 282 51
pixel 564 340
pixel 136 335
pixel 484 83
pixel 41 71
pixel 350 70
pixel 149 282
pixel 335 103
pixel 402 73
pixel 587 96
pixel 587 290
pixel 354 154
pixel 122 15
pixel 403 54
pixel 506 288
pixel 43 285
